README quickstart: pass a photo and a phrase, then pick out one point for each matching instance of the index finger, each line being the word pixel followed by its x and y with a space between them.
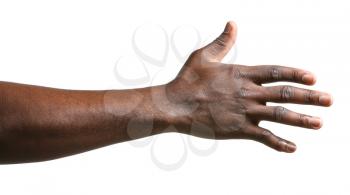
pixel 273 73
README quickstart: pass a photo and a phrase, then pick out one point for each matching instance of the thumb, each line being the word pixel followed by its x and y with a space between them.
pixel 216 50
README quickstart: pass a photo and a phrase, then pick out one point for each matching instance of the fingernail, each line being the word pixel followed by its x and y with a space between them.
pixel 308 78
pixel 315 122
pixel 227 27
pixel 291 148
pixel 325 100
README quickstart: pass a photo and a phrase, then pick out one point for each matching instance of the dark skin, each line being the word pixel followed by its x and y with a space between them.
pixel 207 99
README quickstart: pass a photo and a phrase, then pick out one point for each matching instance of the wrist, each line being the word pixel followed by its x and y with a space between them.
pixel 174 106
pixel 157 108
pixel 142 112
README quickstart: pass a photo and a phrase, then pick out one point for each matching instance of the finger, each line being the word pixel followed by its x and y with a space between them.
pixel 273 73
pixel 216 50
pixel 282 115
pixel 269 139
pixel 290 94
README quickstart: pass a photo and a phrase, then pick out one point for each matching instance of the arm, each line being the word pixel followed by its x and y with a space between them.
pixel 207 99
pixel 39 123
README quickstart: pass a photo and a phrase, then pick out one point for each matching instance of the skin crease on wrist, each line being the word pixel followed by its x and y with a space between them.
pixel 207 99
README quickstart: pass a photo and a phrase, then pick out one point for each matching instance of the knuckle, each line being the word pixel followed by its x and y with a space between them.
pixel 237 72
pixel 308 96
pixel 220 41
pixel 286 93
pixel 303 120
pixel 244 72
pixel 281 145
pixel 279 112
pixel 274 72
pixel 265 134
pixel 262 136
pixel 295 76
pixel 243 92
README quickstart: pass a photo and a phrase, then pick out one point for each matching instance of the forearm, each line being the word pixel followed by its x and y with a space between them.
pixel 39 123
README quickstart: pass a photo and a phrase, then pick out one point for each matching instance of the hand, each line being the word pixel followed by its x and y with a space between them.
pixel 224 101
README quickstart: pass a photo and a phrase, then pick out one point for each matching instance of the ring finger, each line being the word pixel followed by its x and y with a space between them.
pixel 282 115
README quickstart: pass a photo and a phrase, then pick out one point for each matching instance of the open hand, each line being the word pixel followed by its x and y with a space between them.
pixel 224 101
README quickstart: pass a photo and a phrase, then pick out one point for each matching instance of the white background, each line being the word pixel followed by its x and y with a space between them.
pixel 75 44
